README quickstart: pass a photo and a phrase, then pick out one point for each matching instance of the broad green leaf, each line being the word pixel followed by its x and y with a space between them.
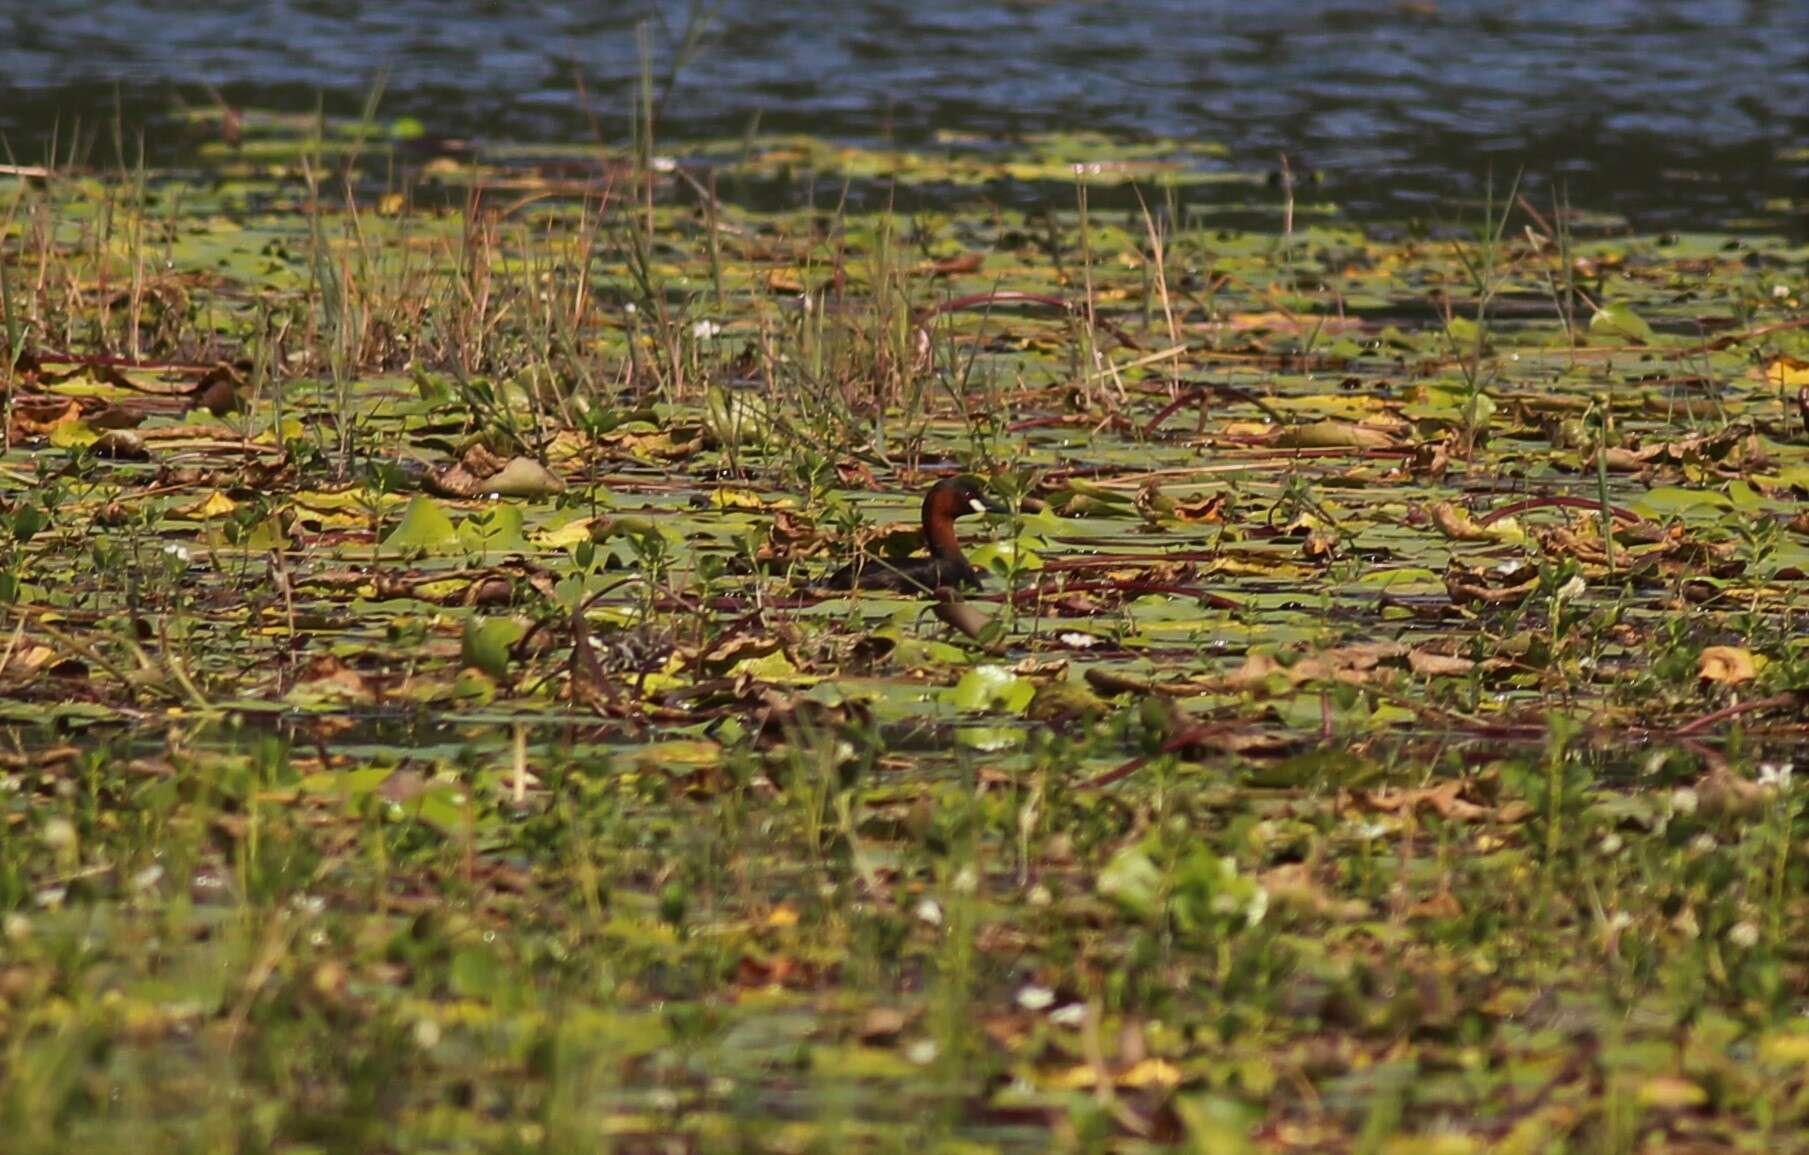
pixel 522 477
pixel 425 527
pixel 991 688
pixel 1132 880
pixel 487 642
pixel 496 529
pixel 1619 323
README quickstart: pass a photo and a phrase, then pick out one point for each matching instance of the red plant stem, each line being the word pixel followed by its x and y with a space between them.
pixel 1185 738
pixel 1168 410
pixel 1038 423
pixel 1722 715
pixel 1199 393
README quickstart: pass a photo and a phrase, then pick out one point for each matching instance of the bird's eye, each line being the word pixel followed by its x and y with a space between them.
pixel 976 505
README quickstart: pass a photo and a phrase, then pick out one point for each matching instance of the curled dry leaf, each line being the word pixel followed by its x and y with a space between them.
pixel 1429 664
pixel 121 445
pixel 1457 524
pixel 1729 665
pixel 480 473
pixel 1445 800
pixel 1336 435
pixel 1344 664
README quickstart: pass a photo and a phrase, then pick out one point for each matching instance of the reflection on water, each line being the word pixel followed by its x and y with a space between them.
pixel 1673 112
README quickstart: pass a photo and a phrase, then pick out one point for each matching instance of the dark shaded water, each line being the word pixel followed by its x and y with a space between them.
pixel 1676 114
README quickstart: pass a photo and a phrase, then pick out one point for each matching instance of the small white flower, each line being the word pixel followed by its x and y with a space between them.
pixel 665 164
pixel 967 880
pixel 1573 588
pixel 1780 290
pixel 1620 921
pixel 1074 639
pixel 704 330
pixel 929 912
pixel 1072 1015
pixel 1611 844
pixel 1684 800
pixel 1776 774
pixel 1370 831
pixel 1257 907
pixel 177 551
pixel 1744 935
pixel 921 1052
pixel 630 309
pixel 1036 998
pixel 1704 843
pixel 59 834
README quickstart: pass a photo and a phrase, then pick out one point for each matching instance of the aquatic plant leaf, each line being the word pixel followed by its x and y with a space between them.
pixel 486 644
pixel 1334 435
pixel 1618 322
pixel 1728 665
pixel 1132 880
pixel 498 528
pixel 522 477
pixel 424 527
pixel 989 687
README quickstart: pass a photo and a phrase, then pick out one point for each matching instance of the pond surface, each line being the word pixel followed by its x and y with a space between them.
pixel 1676 114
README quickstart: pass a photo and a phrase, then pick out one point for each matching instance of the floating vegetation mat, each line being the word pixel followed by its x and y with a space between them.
pixel 423 731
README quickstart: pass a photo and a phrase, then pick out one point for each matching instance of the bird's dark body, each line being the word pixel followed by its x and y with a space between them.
pixel 946 566
pixel 907 575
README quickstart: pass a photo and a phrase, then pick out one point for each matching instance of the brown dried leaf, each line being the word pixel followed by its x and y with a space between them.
pixel 1729 665
pixel 1442 799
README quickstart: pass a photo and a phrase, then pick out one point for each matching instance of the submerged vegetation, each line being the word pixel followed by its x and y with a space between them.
pixel 1375 733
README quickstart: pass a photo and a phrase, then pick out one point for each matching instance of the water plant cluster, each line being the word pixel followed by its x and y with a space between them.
pixel 421 733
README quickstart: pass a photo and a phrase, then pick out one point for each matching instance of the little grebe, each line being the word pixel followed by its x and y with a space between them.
pixel 946 566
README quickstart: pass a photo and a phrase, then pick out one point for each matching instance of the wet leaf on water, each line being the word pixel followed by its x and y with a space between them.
pixel 487 642
pixel 424 528
pixel 522 477
pixel 1619 323
pixel 989 687
pixel 1728 665
pixel 1335 435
